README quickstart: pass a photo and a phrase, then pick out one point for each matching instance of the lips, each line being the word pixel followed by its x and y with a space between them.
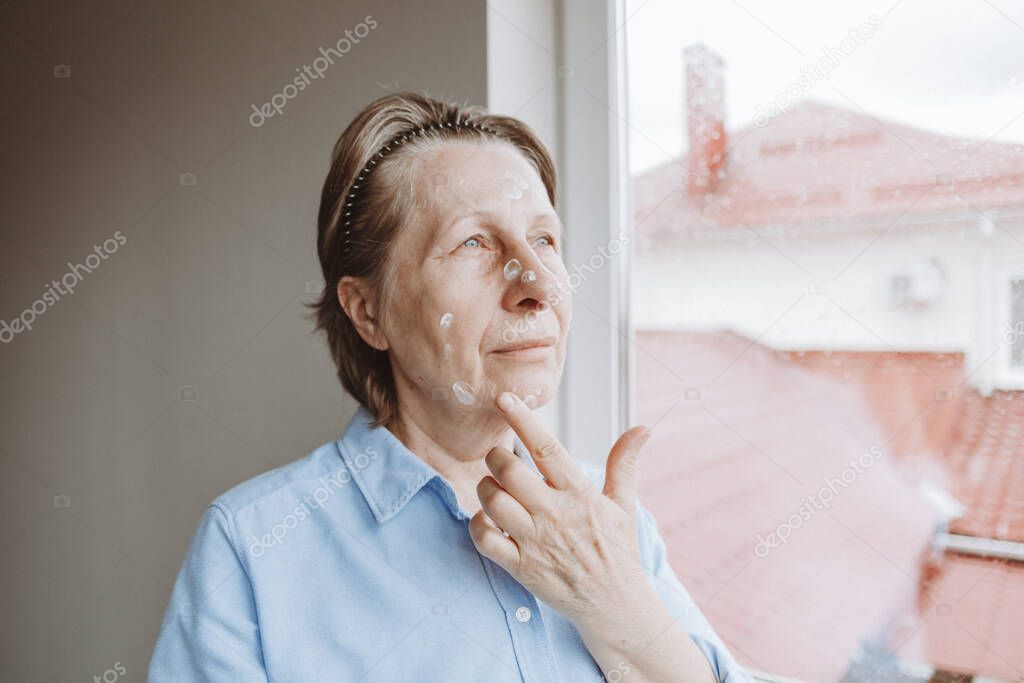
pixel 527 344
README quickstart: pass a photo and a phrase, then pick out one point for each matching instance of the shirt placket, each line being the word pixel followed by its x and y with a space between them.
pixel 522 613
pixel 525 625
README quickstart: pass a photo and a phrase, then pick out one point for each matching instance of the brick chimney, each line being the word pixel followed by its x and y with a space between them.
pixel 705 119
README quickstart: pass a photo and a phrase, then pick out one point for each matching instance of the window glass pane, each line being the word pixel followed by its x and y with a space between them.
pixel 1017 322
pixel 828 212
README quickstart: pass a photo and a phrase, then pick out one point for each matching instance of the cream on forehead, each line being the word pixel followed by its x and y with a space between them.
pixel 490 164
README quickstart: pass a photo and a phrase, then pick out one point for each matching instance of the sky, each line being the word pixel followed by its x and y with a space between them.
pixel 952 66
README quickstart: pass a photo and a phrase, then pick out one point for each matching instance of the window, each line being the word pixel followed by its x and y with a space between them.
pixel 1011 316
pixel 827 309
pixel 1017 317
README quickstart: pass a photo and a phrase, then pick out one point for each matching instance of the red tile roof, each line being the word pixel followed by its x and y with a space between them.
pixel 820 164
pixel 969 620
pixel 967 617
pixel 968 442
pixel 723 467
pixel 986 462
pixel 740 461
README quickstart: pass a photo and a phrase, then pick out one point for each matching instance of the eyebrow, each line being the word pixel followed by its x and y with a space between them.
pixel 538 218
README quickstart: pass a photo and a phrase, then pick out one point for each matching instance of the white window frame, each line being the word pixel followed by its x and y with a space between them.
pixel 1007 376
pixel 584 66
pixel 597 405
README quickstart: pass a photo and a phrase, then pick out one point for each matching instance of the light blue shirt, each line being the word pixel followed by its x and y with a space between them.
pixel 355 563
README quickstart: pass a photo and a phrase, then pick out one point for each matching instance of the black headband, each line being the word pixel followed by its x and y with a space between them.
pixel 395 142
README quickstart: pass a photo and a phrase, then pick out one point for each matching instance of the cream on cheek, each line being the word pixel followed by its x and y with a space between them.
pixel 461 390
pixel 434 350
pixel 444 323
pixel 460 333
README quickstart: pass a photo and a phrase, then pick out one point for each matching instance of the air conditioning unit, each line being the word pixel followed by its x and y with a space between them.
pixel 917 285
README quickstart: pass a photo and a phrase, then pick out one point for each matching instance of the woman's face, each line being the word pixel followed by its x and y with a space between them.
pixel 478 275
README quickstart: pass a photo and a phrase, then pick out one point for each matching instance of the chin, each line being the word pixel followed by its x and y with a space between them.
pixel 538 380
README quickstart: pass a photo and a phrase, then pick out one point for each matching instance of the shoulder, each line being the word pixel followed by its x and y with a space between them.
pixel 242 523
pixel 280 482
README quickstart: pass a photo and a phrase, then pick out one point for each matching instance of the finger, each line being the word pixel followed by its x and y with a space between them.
pixel 492 543
pixel 620 471
pixel 551 458
pixel 505 510
pixel 516 477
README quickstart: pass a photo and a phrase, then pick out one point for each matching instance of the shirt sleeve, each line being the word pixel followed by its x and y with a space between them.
pixel 679 602
pixel 210 630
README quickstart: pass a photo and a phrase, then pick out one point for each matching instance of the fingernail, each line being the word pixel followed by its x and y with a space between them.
pixel 507 402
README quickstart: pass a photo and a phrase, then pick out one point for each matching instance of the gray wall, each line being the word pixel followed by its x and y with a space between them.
pixel 181 365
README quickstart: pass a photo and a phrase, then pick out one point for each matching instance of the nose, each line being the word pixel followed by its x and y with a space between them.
pixel 530 284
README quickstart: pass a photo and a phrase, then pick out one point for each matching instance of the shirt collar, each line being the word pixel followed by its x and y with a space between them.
pixel 387 473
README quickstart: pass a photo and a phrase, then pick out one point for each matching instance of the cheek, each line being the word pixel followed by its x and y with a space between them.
pixel 560 292
pixel 421 322
pixel 466 325
pixel 472 293
pixel 484 270
pixel 563 310
pixel 552 260
pixel 565 301
pixel 457 322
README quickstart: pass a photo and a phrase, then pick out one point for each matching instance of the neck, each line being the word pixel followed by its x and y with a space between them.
pixel 453 444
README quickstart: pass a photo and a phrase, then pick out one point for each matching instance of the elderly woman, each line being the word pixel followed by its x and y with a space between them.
pixel 447 535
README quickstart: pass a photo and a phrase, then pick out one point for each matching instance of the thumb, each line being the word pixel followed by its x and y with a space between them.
pixel 620 472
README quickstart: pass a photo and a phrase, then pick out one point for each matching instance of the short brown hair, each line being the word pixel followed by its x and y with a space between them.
pixel 381 209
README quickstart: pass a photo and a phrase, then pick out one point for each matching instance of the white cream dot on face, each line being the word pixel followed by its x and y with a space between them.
pixel 511 191
pixel 512 269
pixel 512 186
pixel 491 389
pixel 446 320
pixel 463 393
pixel 529 276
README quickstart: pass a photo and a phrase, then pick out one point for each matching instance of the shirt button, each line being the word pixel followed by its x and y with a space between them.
pixel 523 614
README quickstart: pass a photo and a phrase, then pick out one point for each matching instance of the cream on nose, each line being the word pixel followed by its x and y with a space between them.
pixel 512 269
pixel 528 270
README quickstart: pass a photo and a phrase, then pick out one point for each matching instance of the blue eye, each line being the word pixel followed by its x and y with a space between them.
pixel 550 241
pixel 472 239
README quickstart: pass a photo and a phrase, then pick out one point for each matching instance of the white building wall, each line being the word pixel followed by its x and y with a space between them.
pixel 815 292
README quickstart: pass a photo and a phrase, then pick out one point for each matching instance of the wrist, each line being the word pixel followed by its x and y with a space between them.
pixel 646 642
pixel 627 625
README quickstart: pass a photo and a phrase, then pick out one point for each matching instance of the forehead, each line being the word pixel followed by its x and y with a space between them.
pixel 460 178
pixel 466 172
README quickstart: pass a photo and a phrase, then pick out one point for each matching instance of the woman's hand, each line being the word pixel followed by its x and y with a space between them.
pixel 576 548
pixel 570 544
